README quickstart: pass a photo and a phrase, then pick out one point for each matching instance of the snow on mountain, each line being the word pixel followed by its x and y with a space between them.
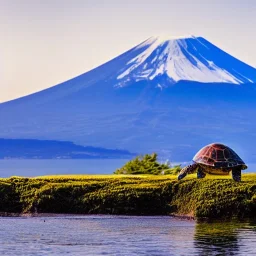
pixel 168 95
pixel 188 58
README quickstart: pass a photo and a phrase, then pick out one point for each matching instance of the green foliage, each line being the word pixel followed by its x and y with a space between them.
pixel 173 170
pixel 9 198
pixel 146 164
pixel 214 196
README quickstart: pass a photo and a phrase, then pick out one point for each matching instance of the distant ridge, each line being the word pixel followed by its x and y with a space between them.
pixel 49 149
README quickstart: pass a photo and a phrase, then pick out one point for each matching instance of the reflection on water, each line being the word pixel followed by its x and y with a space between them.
pixel 220 238
pixel 121 235
pixel 225 238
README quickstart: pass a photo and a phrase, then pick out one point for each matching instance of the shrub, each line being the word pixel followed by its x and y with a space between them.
pixel 146 164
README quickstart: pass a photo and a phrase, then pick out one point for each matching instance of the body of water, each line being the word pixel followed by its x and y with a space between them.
pixel 122 235
pixel 30 168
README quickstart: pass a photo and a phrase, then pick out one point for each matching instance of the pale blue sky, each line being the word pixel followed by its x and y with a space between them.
pixel 46 42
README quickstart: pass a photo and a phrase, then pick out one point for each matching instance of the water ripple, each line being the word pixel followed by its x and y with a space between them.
pixel 124 236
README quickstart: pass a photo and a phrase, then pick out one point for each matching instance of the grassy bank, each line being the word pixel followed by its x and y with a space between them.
pixel 133 195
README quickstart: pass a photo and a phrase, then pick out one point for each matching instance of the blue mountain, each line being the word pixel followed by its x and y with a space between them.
pixel 168 95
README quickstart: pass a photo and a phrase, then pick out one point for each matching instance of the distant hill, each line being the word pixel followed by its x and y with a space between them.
pixel 166 95
pixel 49 149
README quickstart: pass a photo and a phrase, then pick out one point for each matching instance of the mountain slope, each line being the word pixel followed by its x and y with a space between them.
pixel 170 96
pixel 190 58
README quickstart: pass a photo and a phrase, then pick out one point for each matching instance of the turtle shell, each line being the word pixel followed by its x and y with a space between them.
pixel 218 156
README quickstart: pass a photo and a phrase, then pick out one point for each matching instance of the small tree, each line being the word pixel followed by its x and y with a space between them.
pixel 146 164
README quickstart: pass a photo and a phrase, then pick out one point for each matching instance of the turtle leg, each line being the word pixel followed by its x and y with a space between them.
pixel 200 173
pixel 186 170
pixel 236 174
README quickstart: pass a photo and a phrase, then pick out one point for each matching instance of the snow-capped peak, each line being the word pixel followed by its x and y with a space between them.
pixel 165 37
pixel 184 58
pixel 160 39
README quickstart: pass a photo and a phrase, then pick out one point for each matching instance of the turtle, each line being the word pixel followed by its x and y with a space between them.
pixel 215 158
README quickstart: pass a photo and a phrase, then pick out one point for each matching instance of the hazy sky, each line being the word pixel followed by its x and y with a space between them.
pixel 45 42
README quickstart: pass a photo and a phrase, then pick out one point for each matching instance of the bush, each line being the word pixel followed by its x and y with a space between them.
pixel 146 164
pixel 173 170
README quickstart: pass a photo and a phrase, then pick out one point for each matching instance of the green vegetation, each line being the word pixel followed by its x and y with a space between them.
pixel 147 164
pixel 130 194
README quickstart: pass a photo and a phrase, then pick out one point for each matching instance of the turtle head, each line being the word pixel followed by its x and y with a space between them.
pixel 244 167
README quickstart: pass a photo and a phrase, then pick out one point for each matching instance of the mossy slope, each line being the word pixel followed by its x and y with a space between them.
pixel 124 194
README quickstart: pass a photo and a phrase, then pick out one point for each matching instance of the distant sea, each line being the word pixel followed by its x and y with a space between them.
pixel 31 168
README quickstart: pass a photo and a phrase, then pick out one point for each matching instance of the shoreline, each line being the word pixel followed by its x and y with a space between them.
pixel 55 215
pixel 128 195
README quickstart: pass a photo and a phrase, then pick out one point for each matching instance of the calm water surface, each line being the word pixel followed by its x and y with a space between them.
pixel 119 235
pixel 28 168
pixel 23 167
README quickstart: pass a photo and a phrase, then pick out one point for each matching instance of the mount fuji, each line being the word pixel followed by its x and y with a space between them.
pixel 190 58
pixel 168 95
